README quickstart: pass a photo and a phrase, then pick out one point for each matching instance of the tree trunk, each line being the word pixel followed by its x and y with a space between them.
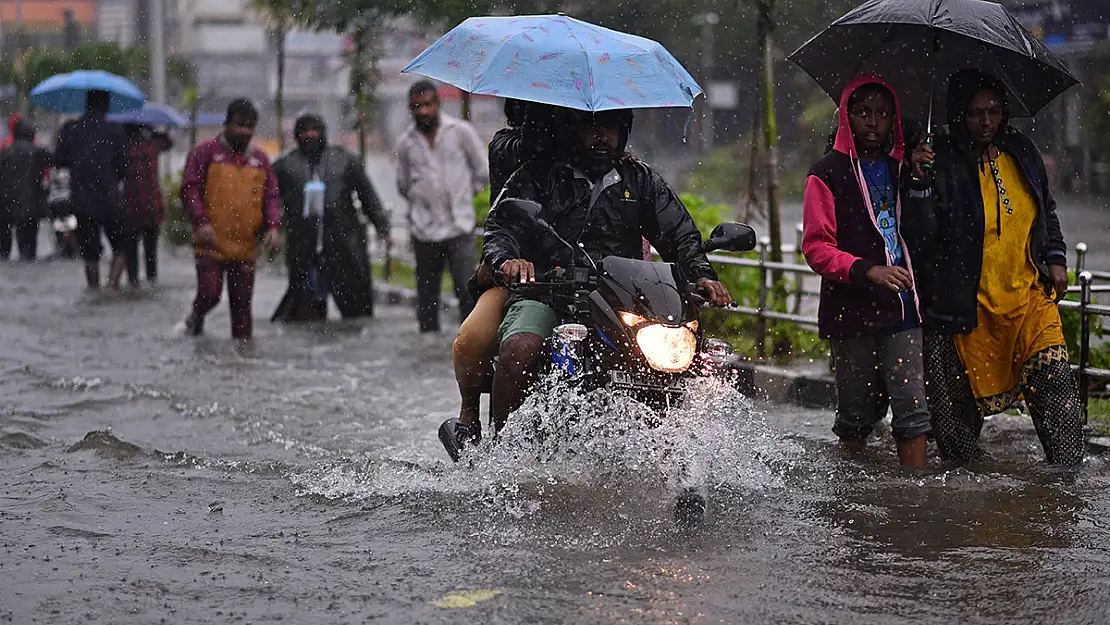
pixel 464 103
pixel 770 134
pixel 358 80
pixel 279 96
pixel 192 97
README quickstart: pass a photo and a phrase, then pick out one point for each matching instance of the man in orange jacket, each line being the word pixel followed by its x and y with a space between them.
pixel 231 195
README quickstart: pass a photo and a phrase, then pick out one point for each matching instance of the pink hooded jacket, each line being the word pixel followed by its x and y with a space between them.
pixel 841 239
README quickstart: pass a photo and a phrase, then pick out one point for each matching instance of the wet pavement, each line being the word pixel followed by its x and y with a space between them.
pixel 147 478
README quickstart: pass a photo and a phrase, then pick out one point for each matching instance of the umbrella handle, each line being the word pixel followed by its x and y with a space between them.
pixel 932 96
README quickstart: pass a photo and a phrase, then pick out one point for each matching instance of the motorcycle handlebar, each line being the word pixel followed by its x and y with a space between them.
pixel 697 296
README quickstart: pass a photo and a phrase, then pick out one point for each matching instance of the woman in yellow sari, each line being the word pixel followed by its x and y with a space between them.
pixel 995 266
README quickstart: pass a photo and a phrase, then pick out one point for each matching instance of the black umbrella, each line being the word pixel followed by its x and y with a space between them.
pixel 911 43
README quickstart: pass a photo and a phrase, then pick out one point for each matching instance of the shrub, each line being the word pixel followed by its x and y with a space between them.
pixel 176 226
pixel 784 341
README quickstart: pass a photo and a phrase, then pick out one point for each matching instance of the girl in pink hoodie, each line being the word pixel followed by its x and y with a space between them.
pixel 852 237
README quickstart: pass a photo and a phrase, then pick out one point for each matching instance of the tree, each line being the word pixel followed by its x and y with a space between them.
pixel 281 16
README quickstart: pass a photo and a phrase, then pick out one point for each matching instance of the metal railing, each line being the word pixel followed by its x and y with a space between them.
pixel 1086 306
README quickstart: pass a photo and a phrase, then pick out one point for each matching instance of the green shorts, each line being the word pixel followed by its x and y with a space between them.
pixel 529 316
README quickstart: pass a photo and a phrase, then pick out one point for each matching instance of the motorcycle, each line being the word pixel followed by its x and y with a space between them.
pixel 630 326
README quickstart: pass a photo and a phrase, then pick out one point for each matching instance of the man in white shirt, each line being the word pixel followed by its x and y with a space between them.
pixel 441 165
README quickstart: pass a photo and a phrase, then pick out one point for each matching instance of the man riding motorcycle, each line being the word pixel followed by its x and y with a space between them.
pixel 598 198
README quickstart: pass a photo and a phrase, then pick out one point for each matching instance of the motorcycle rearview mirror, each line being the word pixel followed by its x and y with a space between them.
pixel 731 236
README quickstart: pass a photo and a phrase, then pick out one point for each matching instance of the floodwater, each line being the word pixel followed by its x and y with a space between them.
pixel 150 478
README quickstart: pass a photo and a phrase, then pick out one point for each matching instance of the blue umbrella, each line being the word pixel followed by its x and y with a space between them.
pixel 558 60
pixel 152 115
pixel 65 93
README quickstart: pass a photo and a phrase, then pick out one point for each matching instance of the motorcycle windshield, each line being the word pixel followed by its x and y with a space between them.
pixel 648 289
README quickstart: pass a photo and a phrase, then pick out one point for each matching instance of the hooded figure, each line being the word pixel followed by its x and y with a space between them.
pixel 841 242
pixel 326 248
pixel 22 192
pixel 993 254
pixel 852 237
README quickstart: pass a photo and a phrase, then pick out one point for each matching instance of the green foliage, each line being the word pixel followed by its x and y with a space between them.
pixel 785 341
pixel 723 174
pixel 482 206
pixel 130 62
pixel 176 226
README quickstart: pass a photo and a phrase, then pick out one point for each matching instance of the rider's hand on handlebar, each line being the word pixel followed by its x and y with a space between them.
pixel 718 293
pixel 516 270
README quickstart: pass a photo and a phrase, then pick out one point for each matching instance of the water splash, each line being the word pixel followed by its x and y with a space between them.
pixel 565 445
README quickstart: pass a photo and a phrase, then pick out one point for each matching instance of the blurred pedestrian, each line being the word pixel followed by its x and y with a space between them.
pixel 95 152
pixel 326 243
pixel 143 207
pixel 853 238
pixel 994 266
pixel 441 166
pixel 22 191
pixel 10 137
pixel 231 196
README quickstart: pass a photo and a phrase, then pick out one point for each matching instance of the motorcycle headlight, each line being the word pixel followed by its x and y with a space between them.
pixel 631 319
pixel 670 350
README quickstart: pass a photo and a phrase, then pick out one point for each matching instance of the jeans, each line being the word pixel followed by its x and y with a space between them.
pixel 431 256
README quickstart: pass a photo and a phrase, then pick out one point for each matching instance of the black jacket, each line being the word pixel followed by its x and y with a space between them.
pixel 506 155
pixel 608 218
pixel 95 151
pixel 344 252
pixel 22 167
pixel 947 230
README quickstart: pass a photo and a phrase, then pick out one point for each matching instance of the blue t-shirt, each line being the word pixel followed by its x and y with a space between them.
pixel 883 201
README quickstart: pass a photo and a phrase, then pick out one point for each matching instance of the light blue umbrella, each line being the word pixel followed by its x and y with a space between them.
pixel 152 115
pixel 558 60
pixel 65 93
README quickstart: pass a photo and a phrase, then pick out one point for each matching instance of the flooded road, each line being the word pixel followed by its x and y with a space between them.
pixel 148 478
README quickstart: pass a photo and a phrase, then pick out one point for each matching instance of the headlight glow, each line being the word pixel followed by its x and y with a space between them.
pixel 670 350
pixel 631 319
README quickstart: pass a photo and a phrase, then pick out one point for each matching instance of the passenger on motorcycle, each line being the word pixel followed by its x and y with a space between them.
pixel 597 197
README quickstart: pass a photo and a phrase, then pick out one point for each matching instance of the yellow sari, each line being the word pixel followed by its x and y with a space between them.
pixel 1017 319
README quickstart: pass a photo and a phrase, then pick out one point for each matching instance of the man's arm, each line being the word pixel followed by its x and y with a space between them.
pixel 368 196
pixel 404 168
pixel 671 230
pixel 501 241
pixel 192 185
